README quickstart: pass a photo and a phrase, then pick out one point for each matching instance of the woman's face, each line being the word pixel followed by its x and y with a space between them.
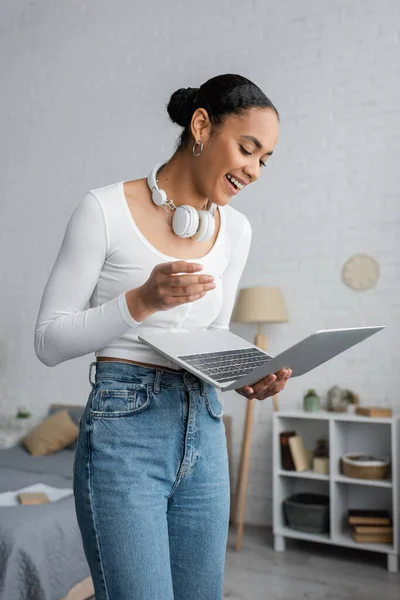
pixel 240 148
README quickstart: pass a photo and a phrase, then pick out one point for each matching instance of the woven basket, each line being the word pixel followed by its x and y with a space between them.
pixel 368 469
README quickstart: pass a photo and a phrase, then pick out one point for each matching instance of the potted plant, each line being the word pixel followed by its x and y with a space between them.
pixel 340 399
pixel 22 418
pixel 351 398
pixel 311 401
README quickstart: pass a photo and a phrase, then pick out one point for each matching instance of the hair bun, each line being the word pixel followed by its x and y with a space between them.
pixel 181 104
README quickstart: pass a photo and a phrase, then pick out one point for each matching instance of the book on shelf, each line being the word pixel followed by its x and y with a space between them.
pixel 373 411
pixel 374 529
pixel 370 538
pixel 368 517
pixel 286 455
pixel 299 454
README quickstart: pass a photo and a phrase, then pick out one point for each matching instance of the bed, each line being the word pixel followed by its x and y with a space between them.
pixel 41 552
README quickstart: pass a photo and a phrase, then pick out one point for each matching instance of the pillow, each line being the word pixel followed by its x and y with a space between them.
pixel 52 434
pixel 75 411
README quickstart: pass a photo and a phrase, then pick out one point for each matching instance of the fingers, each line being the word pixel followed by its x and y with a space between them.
pixel 182 284
pixel 269 386
pixel 269 392
pixel 191 289
pixel 185 280
pixel 186 285
pixel 284 374
pixel 180 266
pixel 259 386
pixel 174 283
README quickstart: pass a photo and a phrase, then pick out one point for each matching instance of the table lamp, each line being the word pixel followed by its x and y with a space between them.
pixel 254 305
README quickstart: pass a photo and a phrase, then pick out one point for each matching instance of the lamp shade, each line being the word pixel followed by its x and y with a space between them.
pixel 260 305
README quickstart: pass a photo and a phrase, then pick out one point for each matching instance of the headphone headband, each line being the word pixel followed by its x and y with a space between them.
pixel 159 196
pixel 186 220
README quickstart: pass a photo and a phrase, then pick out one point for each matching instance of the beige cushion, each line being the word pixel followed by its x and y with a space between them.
pixel 51 435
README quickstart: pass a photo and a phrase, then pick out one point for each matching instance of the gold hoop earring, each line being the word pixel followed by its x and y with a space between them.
pixel 201 148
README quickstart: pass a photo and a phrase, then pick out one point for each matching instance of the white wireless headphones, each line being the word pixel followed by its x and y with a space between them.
pixel 186 220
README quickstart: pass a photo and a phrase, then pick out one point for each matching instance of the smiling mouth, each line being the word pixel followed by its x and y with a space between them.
pixel 232 186
pixel 236 183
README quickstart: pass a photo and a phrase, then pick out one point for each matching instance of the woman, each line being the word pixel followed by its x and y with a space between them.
pixel 151 478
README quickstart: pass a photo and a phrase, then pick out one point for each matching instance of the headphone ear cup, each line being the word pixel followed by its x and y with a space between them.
pixel 158 196
pixel 206 226
pixel 185 221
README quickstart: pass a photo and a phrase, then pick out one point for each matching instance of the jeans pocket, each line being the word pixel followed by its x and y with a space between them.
pixel 213 404
pixel 116 401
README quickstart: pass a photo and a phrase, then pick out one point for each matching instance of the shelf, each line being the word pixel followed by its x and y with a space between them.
pixel 327 415
pixel 303 474
pixel 387 483
pixel 325 538
pixel 346 540
pixel 338 539
pixel 346 433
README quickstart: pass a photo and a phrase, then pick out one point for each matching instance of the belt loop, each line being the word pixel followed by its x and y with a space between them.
pixel 185 374
pixel 157 381
pixel 202 387
pixel 90 373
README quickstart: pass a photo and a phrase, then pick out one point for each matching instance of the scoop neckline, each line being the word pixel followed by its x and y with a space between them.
pixel 150 246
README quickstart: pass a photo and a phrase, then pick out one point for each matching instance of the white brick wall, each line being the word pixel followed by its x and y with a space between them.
pixel 84 91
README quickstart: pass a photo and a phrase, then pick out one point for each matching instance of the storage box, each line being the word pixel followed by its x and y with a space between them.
pixel 307 512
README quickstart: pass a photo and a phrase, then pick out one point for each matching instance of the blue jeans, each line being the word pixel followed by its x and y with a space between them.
pixel 151 484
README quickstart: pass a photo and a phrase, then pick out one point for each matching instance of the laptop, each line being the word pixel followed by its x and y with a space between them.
pixel 229 362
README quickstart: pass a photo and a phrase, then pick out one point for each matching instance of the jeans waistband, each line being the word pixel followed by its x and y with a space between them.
pixel 129 372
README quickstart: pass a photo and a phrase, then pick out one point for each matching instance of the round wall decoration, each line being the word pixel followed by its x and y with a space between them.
pixel 360 272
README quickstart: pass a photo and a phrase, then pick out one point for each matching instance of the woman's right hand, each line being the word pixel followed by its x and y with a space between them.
pixel 172 284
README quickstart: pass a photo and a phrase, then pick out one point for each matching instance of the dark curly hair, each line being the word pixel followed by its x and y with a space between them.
pixel 221 96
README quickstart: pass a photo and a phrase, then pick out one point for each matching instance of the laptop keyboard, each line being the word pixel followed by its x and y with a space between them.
pixel 228 365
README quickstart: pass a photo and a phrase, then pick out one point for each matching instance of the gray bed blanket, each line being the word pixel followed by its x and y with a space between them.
pixel 41 552
pixel 19 459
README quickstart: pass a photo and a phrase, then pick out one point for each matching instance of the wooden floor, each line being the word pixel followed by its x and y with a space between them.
pixel 309 571
pixel 305 571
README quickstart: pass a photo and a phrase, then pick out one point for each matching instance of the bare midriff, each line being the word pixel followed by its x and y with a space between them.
pixel 133 362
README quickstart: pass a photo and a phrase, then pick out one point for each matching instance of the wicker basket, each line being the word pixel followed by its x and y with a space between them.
pixel 367 469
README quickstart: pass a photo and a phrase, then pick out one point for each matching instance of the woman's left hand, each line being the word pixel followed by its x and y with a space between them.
pixel 269 386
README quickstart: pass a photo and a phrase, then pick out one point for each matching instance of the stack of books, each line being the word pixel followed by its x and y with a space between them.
pixel 371 526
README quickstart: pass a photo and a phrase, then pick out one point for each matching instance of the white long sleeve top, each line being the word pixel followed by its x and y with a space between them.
pixel 103 255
